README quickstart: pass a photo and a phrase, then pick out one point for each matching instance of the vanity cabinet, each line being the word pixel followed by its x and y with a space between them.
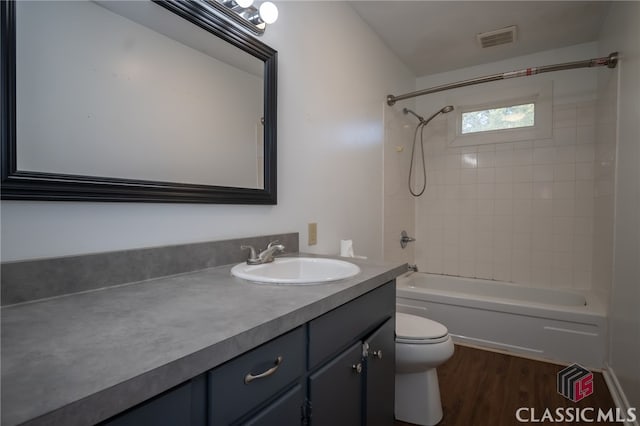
pixel 380 370
pixel 357 386
pixel 346 379
pixel 337 369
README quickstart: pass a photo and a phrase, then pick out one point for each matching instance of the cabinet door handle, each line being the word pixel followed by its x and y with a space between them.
pixel 250 377
pixel 357 368
pixel 377 354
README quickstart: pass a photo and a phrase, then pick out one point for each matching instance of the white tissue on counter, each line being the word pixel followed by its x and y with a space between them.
pixel 346 249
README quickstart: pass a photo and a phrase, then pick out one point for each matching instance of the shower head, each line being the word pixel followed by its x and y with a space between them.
pixel 443 110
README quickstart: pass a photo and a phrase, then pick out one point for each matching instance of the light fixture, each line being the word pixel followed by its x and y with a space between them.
pixel 245 15
pixel 268 12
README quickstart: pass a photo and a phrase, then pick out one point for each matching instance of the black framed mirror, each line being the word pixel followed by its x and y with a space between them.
pixel 111 122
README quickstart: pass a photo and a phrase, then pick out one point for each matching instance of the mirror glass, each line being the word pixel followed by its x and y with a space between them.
pixel 129 90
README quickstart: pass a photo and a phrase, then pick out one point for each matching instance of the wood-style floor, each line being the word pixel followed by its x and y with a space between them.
pixel 486 388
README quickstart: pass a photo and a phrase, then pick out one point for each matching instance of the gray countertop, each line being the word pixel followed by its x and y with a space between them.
pixel 82 358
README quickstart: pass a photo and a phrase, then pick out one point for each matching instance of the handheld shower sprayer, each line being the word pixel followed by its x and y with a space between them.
pixel 442 110
pixel 421 126
pixel 424 122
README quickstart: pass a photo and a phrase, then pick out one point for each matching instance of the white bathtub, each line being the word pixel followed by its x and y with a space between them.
pixel 565 326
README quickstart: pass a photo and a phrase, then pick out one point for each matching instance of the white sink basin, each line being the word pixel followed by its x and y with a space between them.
pixel 296 270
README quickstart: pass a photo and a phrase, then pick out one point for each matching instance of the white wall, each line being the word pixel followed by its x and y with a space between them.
pixel 399 204
pixel 621 32
pixel 518 211
pixel 333 76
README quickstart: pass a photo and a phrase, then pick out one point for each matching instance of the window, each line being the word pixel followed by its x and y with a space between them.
pixel 501 113
pixel 509 117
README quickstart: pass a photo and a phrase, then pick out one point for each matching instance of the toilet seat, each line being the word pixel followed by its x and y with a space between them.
pixel 418 330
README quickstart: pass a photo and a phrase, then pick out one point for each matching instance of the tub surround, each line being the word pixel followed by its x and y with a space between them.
pixel 87 356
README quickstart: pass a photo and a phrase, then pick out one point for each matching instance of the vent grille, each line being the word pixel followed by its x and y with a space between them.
pixel 496 38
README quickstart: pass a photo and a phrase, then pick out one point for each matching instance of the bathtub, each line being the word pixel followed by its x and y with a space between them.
pixel 566 326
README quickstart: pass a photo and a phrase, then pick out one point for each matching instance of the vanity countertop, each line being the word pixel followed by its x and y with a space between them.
pixel 82 358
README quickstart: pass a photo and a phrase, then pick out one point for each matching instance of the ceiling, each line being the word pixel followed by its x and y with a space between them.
pixel 435 36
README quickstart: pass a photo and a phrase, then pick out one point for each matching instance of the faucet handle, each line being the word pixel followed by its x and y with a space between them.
pixel 252 254
pixel 274 246
pixel 272 243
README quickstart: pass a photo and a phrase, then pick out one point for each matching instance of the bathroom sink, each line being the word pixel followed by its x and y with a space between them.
pixel 296 270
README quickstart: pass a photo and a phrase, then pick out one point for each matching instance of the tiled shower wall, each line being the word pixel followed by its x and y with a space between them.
pixel 604 182
pixel 521 212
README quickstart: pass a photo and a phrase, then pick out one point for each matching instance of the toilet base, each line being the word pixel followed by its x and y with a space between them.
pixel 418 398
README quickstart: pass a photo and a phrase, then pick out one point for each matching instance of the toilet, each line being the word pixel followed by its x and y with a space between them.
pixel 421 346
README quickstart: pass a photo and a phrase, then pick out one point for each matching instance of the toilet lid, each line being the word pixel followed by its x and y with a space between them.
pixel 412 327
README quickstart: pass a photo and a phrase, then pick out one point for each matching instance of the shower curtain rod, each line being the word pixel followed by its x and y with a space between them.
pixel 610 61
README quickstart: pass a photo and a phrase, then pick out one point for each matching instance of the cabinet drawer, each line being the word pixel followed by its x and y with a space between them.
pixel 338 328
pixel 168 409
pixel 240 385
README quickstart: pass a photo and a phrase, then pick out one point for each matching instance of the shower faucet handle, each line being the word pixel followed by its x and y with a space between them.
pixel 405 239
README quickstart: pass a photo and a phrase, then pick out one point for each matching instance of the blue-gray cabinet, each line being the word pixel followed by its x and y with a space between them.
pixel 286 410
pixel 248 381
pixel 335 390
pixel 337 369
pixel 380 375
pixel 182 405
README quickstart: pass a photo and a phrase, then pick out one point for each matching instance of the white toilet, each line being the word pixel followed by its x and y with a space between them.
pixel 421 346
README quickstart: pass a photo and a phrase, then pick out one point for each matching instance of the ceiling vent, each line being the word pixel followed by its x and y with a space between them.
pixel 496 38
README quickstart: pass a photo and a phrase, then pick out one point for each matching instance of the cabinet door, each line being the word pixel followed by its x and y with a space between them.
pixel 380 377
pixel 335 390
pixel 284 411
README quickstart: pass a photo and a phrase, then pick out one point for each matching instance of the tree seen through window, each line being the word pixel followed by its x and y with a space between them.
pixel 510 117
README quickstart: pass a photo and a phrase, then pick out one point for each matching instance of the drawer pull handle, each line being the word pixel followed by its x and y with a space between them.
pixel 357 368
pixel 250 377
pixel 377 354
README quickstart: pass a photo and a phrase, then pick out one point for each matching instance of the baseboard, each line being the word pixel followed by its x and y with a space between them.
pixel 533 357
pixel 616 391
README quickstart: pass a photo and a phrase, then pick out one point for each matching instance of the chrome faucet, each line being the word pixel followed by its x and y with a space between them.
pixel 264 256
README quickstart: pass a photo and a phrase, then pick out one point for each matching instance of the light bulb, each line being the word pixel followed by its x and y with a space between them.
pixel 244 3
pixel 268 12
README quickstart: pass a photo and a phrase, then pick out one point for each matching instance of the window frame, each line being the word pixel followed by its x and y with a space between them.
pixel 540 94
